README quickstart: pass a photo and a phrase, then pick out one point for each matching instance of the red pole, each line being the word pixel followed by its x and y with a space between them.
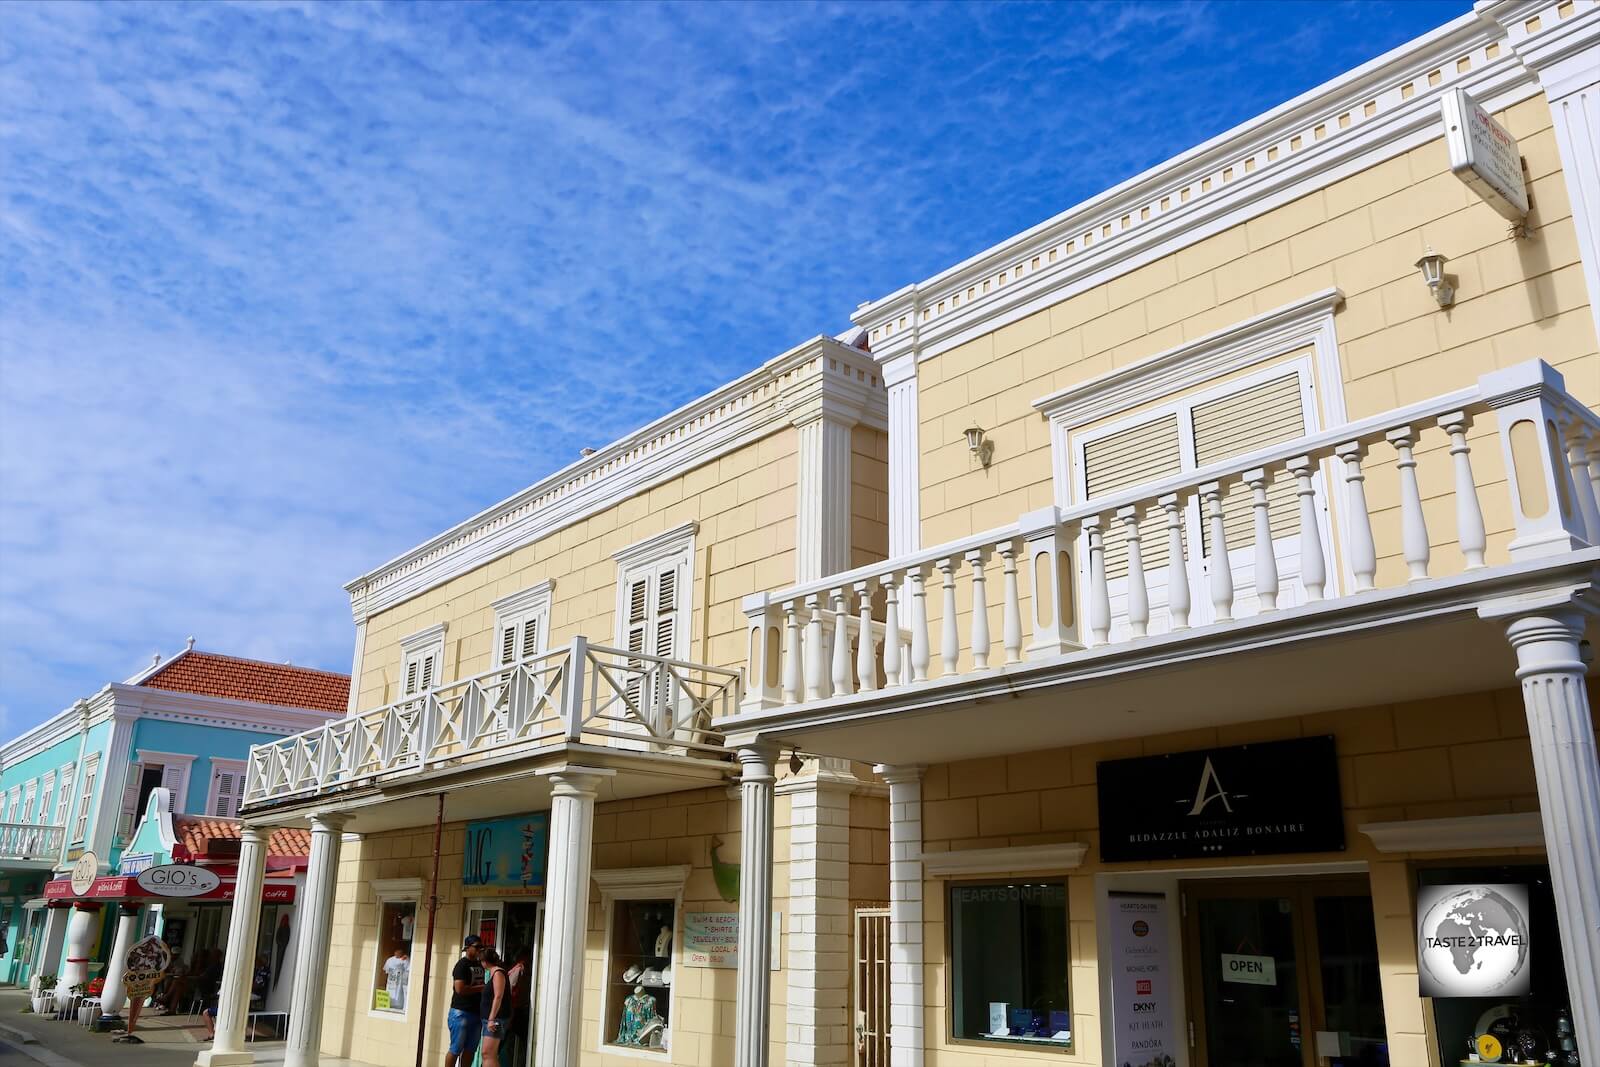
pixel 433 907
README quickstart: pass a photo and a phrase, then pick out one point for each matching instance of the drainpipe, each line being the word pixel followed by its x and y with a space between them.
pixel 433 909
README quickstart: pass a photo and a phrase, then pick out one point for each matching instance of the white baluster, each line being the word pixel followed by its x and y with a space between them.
pixel 1313 568
pixel 950 631
pixel 920 653
pixel 843 683
pixel 1138 594
pixel 1266 559
pixel 815 668
pixel 1469 516
pixel 892 663
pixel 1593 446
pixel 980 612
pixel 1575 434
pixel 1099 594
pixel 1221 570
pixel 1363 555
pixel 791 657
pixel 866 657
pixel 1011 635
pixel 1413 524
pixel 1177 563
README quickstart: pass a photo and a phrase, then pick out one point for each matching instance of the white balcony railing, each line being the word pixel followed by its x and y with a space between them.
pixel 1052 565
pixel 580 692
pixel 30 841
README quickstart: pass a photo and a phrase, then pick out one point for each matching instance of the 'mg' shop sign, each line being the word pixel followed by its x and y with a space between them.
pixel 1246 800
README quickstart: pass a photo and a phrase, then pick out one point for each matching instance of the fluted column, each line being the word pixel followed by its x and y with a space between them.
pixel 1551 669
pixel 905 915
pixel 558 1031
pixel 113 993
pixel 752 1017
pixel 304 1037
pixel 80 937
pixel 233 1006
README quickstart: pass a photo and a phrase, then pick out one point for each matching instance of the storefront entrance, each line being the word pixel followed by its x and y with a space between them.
pixel 512 928
pixel 1283 973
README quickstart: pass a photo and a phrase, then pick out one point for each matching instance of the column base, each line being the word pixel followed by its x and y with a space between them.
pixel 213 1058
pixel 107 1023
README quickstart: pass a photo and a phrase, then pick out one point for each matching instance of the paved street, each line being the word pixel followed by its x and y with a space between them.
pixel 169 1042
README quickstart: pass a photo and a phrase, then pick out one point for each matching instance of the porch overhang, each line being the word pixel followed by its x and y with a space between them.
pixel 1425 639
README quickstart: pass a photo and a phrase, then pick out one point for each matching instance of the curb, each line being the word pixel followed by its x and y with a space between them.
pixel 21 1037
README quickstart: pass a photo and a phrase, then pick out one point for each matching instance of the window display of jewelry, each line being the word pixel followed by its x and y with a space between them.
pixel 639 973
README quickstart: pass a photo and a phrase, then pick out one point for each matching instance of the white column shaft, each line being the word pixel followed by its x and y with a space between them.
pixel 752 1021
pixel 304 1037
pixel 906 1024
pixel 80 936
pixel 238 969
pixel 558 1032
pixel 47 957
pixel 822 511
pixel 113 993
pixel 905 489
pixel 818 1028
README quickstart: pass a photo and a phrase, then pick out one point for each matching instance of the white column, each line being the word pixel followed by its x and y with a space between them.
pixel 1551 668
pixel 905 482
pixel 113 993
pixel 315 914
pixel 80 937
pixel 905 915
pixel 355 666
pixel 558 1028
pixel 752 1015
pixel 818 1028
pixel 238 969
pixel 47 958
pixel 822 510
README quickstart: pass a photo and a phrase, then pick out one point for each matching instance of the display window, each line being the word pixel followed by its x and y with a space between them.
pixel 391 984
pixel 1010 962
pixel 639 974
pixel 1489 961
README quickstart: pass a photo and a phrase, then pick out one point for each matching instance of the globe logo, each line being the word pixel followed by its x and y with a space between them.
pixel 1473 940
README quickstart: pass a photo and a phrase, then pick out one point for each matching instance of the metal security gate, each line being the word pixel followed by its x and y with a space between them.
pixel 871 987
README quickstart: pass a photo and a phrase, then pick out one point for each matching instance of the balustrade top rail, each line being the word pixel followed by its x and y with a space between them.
pixel 30 841
pixel 801 637
pixel 580 692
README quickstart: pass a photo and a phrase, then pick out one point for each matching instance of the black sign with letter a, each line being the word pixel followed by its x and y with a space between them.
pixel 1248 800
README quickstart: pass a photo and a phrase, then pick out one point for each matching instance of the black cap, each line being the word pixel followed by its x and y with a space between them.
pixel 472 941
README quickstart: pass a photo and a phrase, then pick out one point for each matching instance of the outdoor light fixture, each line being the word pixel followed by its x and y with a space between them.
pixel 979 445
pixel 1432 267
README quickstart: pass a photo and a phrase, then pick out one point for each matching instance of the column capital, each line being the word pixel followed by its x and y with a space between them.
pixel 254 833
pixel 581 782
pixel 758 762
pixel 900 773
pixel 329 822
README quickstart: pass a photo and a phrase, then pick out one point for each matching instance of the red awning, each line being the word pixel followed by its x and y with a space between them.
pixel 127 887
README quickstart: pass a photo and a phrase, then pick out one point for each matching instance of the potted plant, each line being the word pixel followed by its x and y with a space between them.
pixel 89 1012
pixel 44 995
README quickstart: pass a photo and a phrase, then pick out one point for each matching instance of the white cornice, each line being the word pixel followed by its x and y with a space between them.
pixel 664 544
pixel 1520 830
pixel 1303 145
pixel 1023 859
pixel 424 639
pixel 140 702
pixel 821 373
pixel 535 596
pixel 642 881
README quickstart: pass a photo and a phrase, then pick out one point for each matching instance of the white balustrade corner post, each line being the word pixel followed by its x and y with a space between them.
pixel 920 652
pixel 1469 512
pixel 906 999
pixel 950 630
pixel 1266 560
pixel 1177 562
pixel 574 688
pixel 1413 525
pixel 303 1039
pixel 1046 546
pixel 238 968
pixel 866 651
pixel 1551 666
pixel 114 992
pixel 1218 565
pixel 1526 400
pixel 1363 553
pixel 980 611
pixel 843 680
pixel 558 1030
pixel 1138 591
pixel 1011 608
pixel 752 1021
pixel 1313 563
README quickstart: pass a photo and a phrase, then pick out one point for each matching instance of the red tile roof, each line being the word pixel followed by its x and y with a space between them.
pixel 210 674
pixel 195 834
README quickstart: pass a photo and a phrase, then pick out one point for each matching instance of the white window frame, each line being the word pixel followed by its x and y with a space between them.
pixel 414 650
pixel 175 770
pixel 219 767
pixel 640 883
pixel 652 556
pixel 47 798
pixel 80 820
pixel 515 611
pixel 64 795
pixel 14 804
pixel 393 891
pixel 30 796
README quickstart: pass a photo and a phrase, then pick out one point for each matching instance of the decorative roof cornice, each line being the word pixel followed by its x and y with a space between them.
pixel 1378 110
pixel 818 377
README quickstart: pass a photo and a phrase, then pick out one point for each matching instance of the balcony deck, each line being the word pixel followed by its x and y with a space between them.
pixel 30 845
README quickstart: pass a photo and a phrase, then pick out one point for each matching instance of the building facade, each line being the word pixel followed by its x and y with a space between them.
pixel 1161 638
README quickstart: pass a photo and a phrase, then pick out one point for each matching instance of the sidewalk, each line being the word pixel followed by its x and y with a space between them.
pixel 170 1041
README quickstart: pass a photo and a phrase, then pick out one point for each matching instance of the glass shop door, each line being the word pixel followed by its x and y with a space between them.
pixel 1283 973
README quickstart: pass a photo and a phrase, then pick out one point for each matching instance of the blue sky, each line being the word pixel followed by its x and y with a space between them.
pixel 287 288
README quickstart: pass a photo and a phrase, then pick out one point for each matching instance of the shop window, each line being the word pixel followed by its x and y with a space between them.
pixel 1010 963
pixel 397 919
pixel 639 973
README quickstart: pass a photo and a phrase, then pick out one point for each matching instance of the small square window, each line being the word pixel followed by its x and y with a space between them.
pixel 391 985
pixel 1010 963
pixel 639 974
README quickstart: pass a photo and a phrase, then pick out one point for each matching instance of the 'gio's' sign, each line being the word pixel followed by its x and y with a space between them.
pixel 178 880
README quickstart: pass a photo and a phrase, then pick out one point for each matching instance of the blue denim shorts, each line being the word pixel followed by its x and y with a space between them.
pixel 465 1030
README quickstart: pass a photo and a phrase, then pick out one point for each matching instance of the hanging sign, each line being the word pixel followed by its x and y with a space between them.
pixel 1141 1000
pixel 1472 940
pixel 178 880
pixel 84 869
pixel 1249 970
pixel 1484 155
pixel 506 856
pixel 1246 800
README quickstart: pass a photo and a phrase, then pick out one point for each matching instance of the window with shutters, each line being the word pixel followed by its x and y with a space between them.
pixel 64 794
pixel 169 770
pixel 522 624
pixel 47 795
pixel 1209 426
pixel 422 656
pixel 653 610
pixel 13 804
pixel 29 796
pixel 227 788
pixel 91 771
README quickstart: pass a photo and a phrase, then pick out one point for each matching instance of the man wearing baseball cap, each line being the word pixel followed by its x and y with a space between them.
pixel 466 1026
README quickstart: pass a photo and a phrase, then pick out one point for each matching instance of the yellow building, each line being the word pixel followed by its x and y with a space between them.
pixel 1144 601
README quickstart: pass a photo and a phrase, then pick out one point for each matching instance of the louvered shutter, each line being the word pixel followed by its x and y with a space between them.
pixel 1245 421
pixel 666 620
pixel 229 791
pixel 130 800
pixel 1121 461
pixel 425 681
pixel 506 649
pixel 530 637
pixel 638 604
pixel 46 795
pixel 411 677
pixel 64 794
pixel 173 779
